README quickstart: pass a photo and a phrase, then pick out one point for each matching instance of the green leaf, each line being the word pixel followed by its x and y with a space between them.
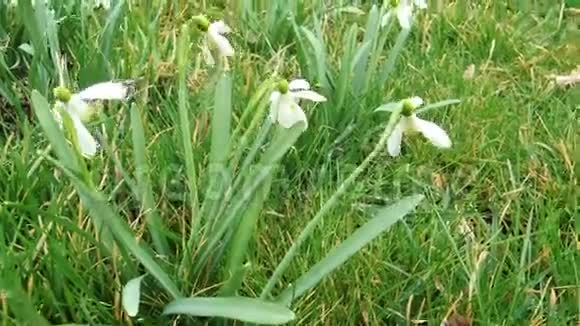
pixel 219 176
pixel 319 50
pixel 389 107
pixel 438 105
pixel 111 28
pixel 185 129
pixel 53 131
pixel 238 249
pixel 362 57
pixel 346 64
pixel 283 140
pixel 145 189
pixel 389 66
pixel 351 10
pixel 17 301
pixel 382 221
pixel 244 309
pixel 99 209
pixel 132 295
pixel 221 119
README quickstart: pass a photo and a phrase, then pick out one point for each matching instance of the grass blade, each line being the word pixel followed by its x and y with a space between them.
pixel 53 131
pixel 383 220
pixel 185 129
pixel 331 202
pixel 346 64
pixel 99 209
pixel 244 309
pixel 146 198
pixel 319 56
pixel 369 38
pixel 18 302
pixel 393 55
pixel 282 142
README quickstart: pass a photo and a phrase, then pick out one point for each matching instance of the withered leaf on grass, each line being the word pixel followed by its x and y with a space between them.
pixel 456 320
pixel 567 80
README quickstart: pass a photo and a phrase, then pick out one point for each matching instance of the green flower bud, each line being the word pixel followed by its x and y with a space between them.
pixel 201 22
pixel 408 108
pixel 283 86
pixel 62 94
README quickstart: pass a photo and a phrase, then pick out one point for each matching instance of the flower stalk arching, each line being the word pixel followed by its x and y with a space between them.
pixel 330 203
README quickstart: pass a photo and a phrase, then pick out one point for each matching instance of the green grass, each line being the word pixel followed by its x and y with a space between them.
pixel 496 238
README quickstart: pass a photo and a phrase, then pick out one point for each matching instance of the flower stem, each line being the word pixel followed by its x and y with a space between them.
pixel 330 203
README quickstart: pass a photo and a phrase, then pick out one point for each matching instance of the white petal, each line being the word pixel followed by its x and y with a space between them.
pixel 422 4
pixel 131 296
pixel 309 95
pixel 386 18
pixel 222 44
pixel 437 136
pixel 206 53
pixel 394 141
pixel 219 27
pixel 274 105
pixel 290 113
pixel 299 84
pixel 87 143
pixel 78 107
pixel 409 124
pixel 107 91
pixel 404 14
pixel 416 101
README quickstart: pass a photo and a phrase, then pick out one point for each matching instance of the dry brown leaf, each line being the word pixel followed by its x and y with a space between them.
pixel 438 180
pixel 553 298
pixel 572 78
pixel 469 73
pixel 457 320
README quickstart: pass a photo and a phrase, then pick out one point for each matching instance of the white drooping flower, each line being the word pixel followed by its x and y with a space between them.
pixel 410 123
pixel 215 40
pixel 404 11
pixel 285 102
pixel 105 4
pixel 80 108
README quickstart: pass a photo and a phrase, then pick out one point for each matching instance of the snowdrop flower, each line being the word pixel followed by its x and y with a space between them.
pixel 79 108
pixel 404 11
pixel 284 102
pixel 214 39
pixel 105 4
pixel 410 123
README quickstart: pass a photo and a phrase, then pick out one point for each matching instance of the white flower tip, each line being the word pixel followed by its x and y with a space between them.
pixel 219 27
pixel 422 4
pixel 298 85
pixel 416 101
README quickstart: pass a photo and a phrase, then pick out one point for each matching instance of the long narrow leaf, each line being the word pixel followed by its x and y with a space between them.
pixel 99 209
pixel 346 67
pixel 393 55
pixel 360 238
pixel 282 142
pixel 53 132
pixel 153 220
pixel 219 175
pixel 319 52
pixel 238 249
pixel 369 38
pixel 185 130
pixel 245 309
